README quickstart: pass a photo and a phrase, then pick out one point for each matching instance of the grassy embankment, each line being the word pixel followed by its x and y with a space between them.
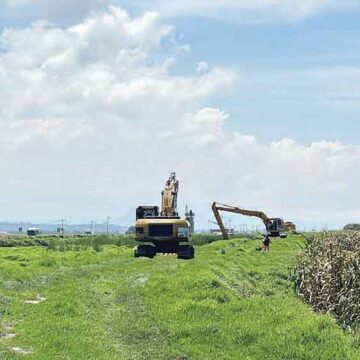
pixel 108 305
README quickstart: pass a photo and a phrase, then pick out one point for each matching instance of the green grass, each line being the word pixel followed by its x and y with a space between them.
pixel 108 305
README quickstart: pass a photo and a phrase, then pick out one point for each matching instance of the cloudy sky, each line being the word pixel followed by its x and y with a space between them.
pixel 252 103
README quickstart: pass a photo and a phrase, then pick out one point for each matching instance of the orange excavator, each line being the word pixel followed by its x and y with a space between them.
pixel 275 227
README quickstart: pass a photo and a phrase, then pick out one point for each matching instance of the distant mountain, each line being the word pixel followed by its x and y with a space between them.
pixel 13 228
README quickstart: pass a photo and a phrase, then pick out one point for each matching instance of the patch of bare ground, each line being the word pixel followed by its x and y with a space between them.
pixel 21 351
pixel 6 332
pixel 39 299
pixel 6 336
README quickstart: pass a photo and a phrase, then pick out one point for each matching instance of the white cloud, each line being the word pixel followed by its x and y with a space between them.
pixel 202 66
pixel 92 121
pixel 205 127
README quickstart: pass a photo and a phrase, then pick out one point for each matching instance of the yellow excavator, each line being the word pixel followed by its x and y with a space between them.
pixel 163 231
pixel 290 227
pixel 275 227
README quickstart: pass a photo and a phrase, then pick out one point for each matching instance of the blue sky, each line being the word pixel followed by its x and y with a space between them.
pixel 275 106
pixel 276 98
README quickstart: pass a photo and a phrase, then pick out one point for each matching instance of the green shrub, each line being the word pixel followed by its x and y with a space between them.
pixel 97 247
pixel 51 245
pixel 355 227
pixel 62 247
pixel 68 242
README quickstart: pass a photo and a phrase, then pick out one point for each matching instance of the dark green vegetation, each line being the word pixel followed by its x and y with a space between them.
pixel 77 242
pixel 327 275
pixel 68 242
pixel 355 227
pixel 230 302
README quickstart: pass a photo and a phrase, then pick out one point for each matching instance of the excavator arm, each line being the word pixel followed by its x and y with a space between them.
pixel 219 221
pixel 216 208
pixel 169 196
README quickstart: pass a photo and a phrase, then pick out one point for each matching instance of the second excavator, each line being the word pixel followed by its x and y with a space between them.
pixel 163 231
pixel 275 227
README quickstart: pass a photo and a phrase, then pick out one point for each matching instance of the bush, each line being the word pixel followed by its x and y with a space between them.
pixel 8 241
pixel 51 245
pixel 97 247
pixel 62 247
pixel 77 242
pixel 327 276
pixel 355 227
pixel 68 242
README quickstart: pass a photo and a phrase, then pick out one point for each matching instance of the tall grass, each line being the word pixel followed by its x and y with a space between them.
pixel 327 275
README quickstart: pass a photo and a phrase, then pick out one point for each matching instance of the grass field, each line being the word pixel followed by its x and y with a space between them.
pixel 84 304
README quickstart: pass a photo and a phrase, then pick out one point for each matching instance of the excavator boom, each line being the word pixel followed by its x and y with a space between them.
pixel 169 196
pixel 274 226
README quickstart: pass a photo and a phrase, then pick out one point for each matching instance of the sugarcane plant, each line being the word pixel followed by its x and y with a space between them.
pixel 327 275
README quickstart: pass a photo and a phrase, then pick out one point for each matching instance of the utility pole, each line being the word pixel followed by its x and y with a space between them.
pixel 62 227
pixel 107 224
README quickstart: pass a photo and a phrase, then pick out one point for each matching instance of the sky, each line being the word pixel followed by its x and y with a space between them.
pixel 253 103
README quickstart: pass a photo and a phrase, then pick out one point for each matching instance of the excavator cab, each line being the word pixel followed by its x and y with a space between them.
pixel 276 227
pixel 143 212
pixel 290 227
